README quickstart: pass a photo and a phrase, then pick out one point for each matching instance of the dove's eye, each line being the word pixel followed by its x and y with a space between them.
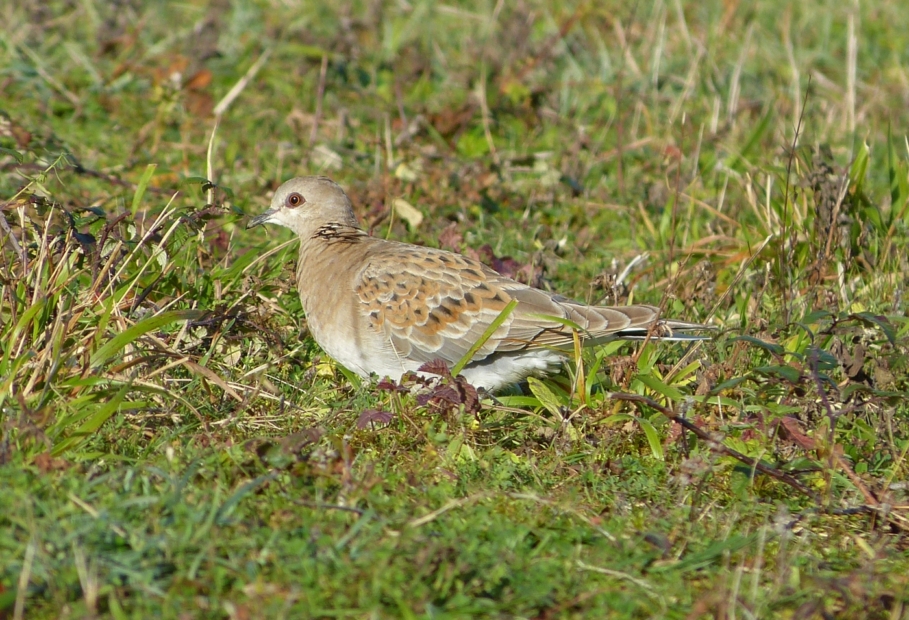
pixel 294 200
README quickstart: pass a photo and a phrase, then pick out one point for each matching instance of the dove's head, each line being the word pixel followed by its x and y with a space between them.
pixel 306 204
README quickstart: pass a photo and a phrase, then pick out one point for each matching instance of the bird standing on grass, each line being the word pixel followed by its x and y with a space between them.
pixel 385 307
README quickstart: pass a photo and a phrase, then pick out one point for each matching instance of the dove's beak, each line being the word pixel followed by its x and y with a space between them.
pixel 260 219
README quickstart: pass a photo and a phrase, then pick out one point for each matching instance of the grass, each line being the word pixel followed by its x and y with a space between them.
pixel 175 444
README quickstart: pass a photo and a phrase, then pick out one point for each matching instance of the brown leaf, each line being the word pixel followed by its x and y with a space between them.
pixel 468 394
pixel 793 431
pixel 47 463
pixel 451 238
pixel 199 80
pixel 436 367
pixel 387 385
pixel 506 265
pixel 450 123
pixel 450 394
pixel 439 396
pixel 199 103
pixel 371 417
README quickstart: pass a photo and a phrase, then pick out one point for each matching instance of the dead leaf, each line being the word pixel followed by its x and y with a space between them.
pixel 451 238
pixel 450 392
pixel 408 213
pixel 436 367
pixel 793 431
pixel 214 378
pixel 371 417
pixel 199 80
pixel 47 463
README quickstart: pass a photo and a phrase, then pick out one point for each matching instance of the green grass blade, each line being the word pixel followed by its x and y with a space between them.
pixel 92 424
pixel 141 187
pixel 503 315
pixel 660 388
pixel 115 344
pixel 713 553
pixel 547 397
pixel 653 439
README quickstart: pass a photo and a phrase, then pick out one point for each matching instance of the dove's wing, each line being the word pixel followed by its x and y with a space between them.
pixel 433 304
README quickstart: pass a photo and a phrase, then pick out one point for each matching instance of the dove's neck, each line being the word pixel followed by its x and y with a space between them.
pixel 328 259
pixel 337 232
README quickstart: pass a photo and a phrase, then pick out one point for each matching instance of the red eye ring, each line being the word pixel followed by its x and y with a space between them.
pixel 294 200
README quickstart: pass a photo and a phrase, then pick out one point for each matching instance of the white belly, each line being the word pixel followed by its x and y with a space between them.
pixel 366 352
